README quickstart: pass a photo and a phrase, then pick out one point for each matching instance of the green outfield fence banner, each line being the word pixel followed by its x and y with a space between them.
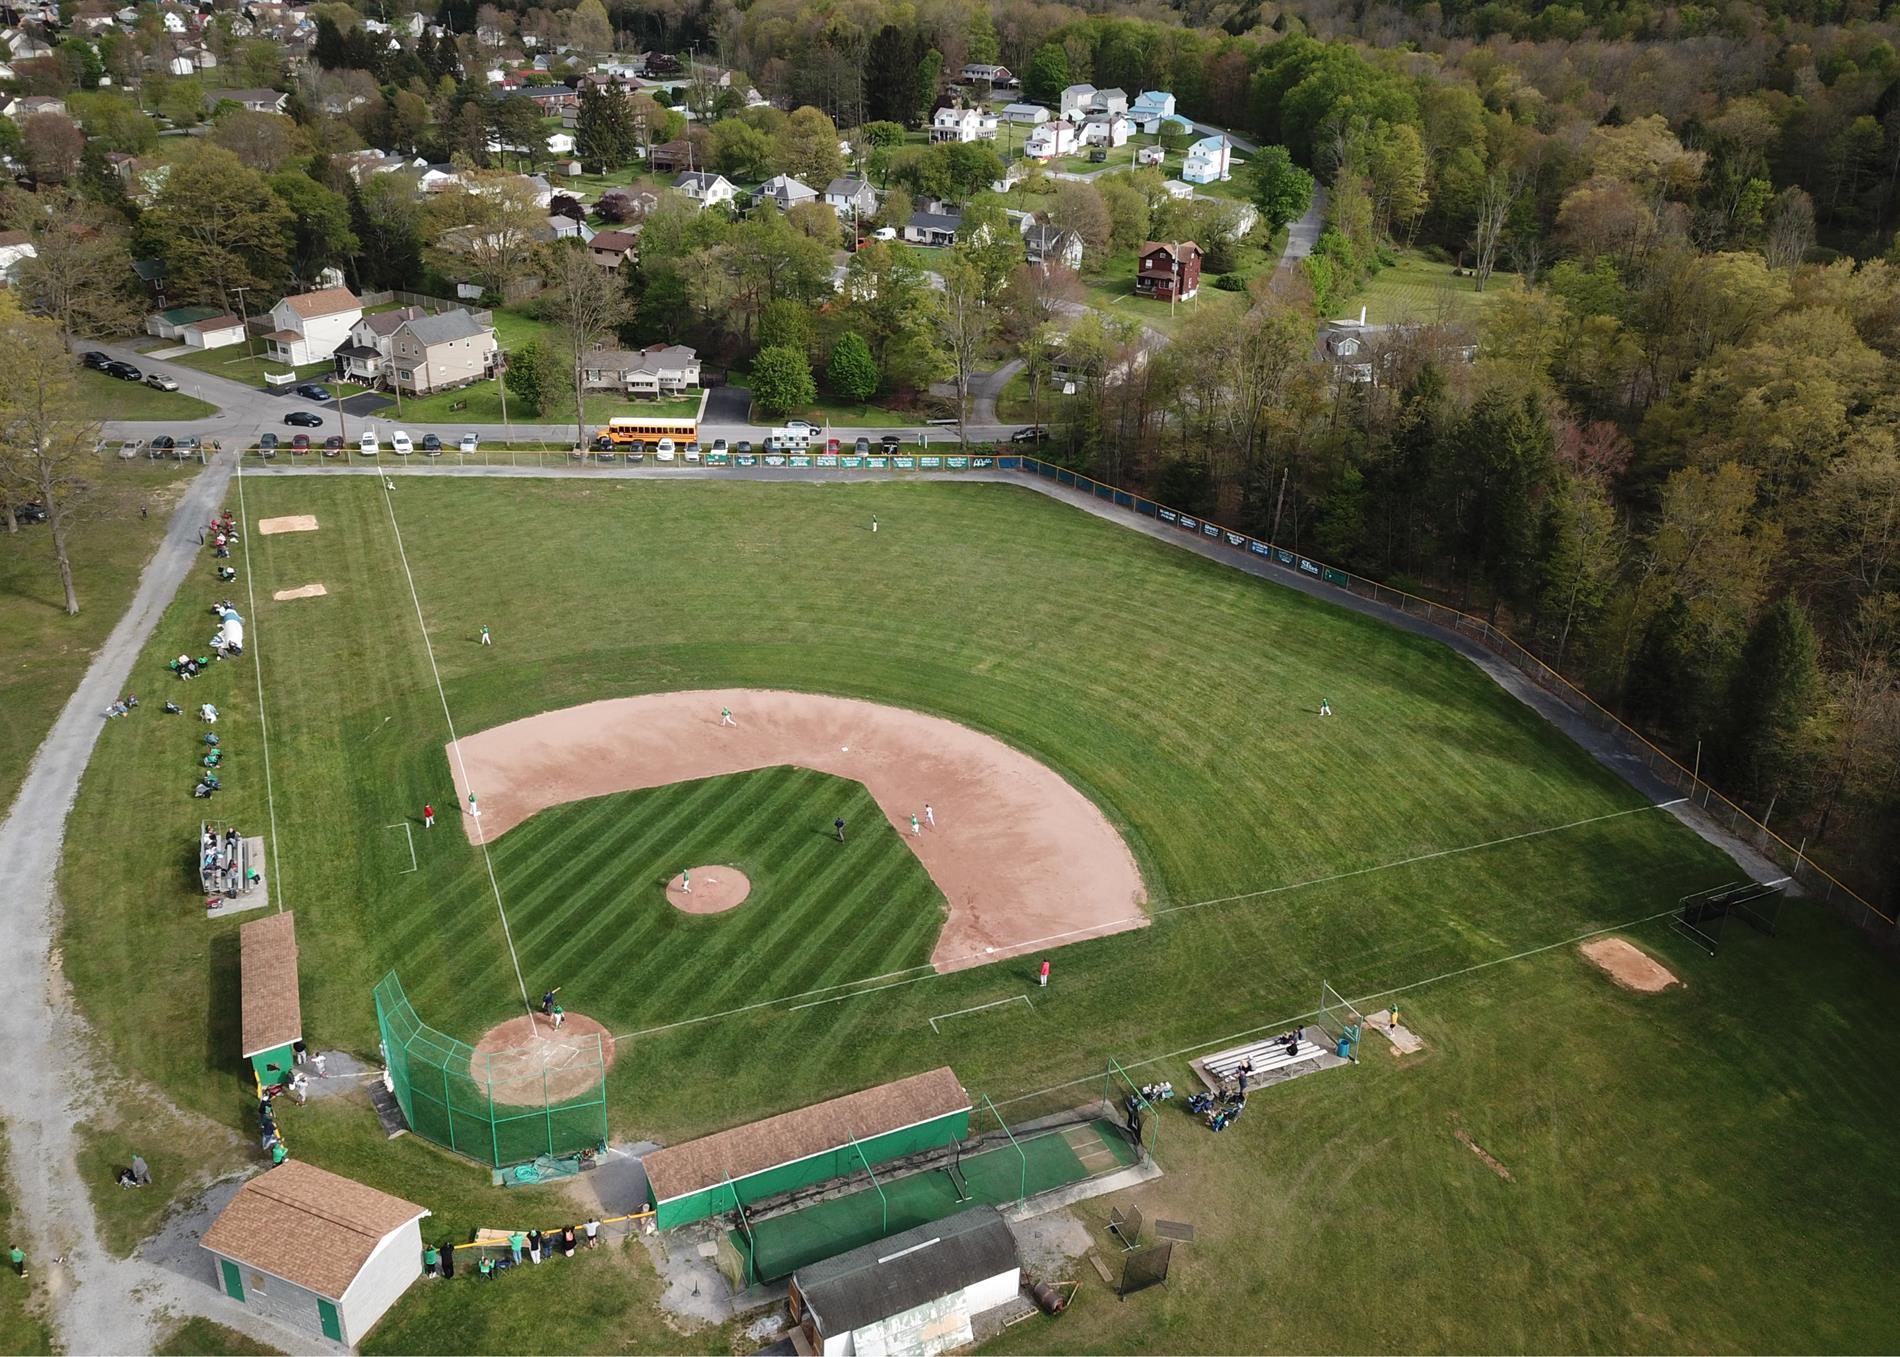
pixel 501 1107
pixel 1719 810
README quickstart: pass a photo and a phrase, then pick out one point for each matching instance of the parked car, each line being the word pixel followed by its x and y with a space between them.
pixel 831 445
pixel 663 450
pixel 95 359
pixel 158 381
pixel 30 512
pixel 130 448
pixel 743 445
pixel 300 444
pixel 162 445
pixel 125 372
pixel 1035 433
pixel 187 449
pixel 890 442
pixel 431 445
pixel 399 443
pixel 304 419
pixel 313 391
pixel 884 233
pixel 692 453
pixel 862 446
pixel 367 444
pixel 333 445
pixel 267 445
pixel 469 443
pixel 719 445
pixel 803 426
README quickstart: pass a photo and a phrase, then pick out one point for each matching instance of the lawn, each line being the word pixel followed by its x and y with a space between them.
pixel 23 1326
pixel 232 364
pixel 45 651
pixel 481 404
pixel 513 329
pixel 1112 292
pixel 202 1338
pixel 1421 291
pixel 1434 826
pixel 109 398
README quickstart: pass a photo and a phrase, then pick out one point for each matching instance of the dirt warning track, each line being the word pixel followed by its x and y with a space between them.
pixel 1024 859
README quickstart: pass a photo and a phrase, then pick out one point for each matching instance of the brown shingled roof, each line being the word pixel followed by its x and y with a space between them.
pixel 323 302
pixel 307 1226
pixel 267 983
pixel 684 1169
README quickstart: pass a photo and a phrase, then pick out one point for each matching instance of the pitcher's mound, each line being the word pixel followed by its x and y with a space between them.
pixel 527 1060
pixel 1629 966
pixel 715 890
pixel 270 527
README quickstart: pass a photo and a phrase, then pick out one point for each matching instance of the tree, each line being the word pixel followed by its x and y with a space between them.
pixel 1079 208
pixel 78 276
pixel 1048 74
pixel 808 148
pixel 587 304
pixel 741 150
pixel 781 380
pixel 535 375
pixel 851 371
pixel 45 450
pixel 1282 189
pixel 53 146
pixel 1503 467
pixel 490 231
pixel 967 325
pixel 890 75
pixel 217 226
pixel 1790 228
pixel 320 217
pixel 1495 201
pixel 260 141
pixel 387 222
pixel 1766 742
pixel 588 28
pixel 785 324
pixel 1581 553
pixel 518 128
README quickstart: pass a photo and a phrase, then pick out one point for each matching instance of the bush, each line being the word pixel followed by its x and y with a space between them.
pixel 1228 282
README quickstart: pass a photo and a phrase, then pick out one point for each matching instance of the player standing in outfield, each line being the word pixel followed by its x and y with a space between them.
pixel 1325 707
pixel 838 824
pixel 725 717
pixel 485 640
pixel 428 816
pixel 873 522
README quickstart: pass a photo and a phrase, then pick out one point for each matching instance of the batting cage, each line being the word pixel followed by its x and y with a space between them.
pixel 544 1099
pixel 1701 917
pixel 1340 1021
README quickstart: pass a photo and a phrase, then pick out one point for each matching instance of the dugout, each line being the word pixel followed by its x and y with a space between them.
pixel 730 1169
pixel 272 1013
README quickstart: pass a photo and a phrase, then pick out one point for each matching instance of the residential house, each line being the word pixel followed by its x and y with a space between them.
pixel 16 247
pixel 441 352
pixel 439 178
pixel 708 190
pixel 170 324
pixel 1045 244
pixel 1107 129
pixel 23 108
pixel 364 357
pixel 560 143
pixel 1077 101
pixel 670 157
pixel 253 101
pixel 567 228
pixel 978 73
pixel 851 195
pixel 214 332
pixel 1053 139
pixel 655 371
pixel 553 98
pixel 315 1251
pixel 1026 115
pixel 1150 155
pixel 308 327
pixel 611 249
pixel 955 124
pixel 1168 271
pixel 1150 107
pixel 933 228
pixel 915 1293
pixel 783 192
pixel 1177 190
pixel 1209 160
pixel 1356 351
pixel 1109 101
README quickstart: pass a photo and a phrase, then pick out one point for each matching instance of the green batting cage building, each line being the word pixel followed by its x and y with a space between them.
pixel 720 1173
pixel 271 1014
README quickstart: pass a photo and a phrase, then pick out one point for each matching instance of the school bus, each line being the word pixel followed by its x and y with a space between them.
pixel 621 431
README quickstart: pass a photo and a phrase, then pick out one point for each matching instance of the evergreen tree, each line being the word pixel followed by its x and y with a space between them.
pixel 1048 73
pixel 1771 703
pixel 1503 467
pixel 890 74
pixel 852 372
pixel 781 380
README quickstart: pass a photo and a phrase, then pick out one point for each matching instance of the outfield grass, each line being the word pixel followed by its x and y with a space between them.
pixel 23 1326
pixel 1434 825
pixel 44 650
pixel 1420 291
pixel 109 398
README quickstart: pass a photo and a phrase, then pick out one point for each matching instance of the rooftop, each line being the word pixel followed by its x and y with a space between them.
pixel 896 1275
pixel 307 1226
pixel 272 1013
pixel 326 301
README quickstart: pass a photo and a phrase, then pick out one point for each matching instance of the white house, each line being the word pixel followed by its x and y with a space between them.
pixel 708 190
pixel 1053 139
pixel 1174 188
pixel 15 248
pixel 1044 244
pixel 955 124
pixel 1107 129
pixel 308 327
pixel 1208 160
pixel 1150 107
pixel 365 356
pixel 1150 155
pixel 1026 115
pixel 217 332
pixel 933 228
pixel 784 192
pixel 315 1251
pixel 1109 101
pixel 980 73
pixel 1076 101
pixel 914 1293
pixel 845 196
pixel 657 370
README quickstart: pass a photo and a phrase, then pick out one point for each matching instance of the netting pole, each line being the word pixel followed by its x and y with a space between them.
pixel 547 1111
pixel 448 1111
pixel 1022 1190
pixel 1152 1117
pixel 883 1200
pixel 494 1131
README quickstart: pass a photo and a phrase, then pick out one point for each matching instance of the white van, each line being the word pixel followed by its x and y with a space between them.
pixel 368 445
pixel 663 450
pixel 792 438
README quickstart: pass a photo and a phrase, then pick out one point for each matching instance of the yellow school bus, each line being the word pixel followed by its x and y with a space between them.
pixel 623 431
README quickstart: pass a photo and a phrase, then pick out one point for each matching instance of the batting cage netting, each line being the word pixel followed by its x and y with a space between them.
pixel 545 1098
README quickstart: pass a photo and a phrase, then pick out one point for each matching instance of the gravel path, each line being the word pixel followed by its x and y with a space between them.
pixel 99 1303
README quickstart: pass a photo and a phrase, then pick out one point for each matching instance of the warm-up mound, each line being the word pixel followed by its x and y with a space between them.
pixel 1628 965
pixel 1023 859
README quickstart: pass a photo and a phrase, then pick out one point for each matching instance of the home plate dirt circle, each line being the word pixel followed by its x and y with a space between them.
pixel 715 890
pixel 527 1060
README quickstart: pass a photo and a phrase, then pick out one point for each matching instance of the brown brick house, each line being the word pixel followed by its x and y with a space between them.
pixel 1168 271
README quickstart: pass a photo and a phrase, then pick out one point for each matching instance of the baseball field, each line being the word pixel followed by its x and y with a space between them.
pixel 1675 1162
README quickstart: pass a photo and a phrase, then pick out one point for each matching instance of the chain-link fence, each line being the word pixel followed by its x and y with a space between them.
pixel 507 1106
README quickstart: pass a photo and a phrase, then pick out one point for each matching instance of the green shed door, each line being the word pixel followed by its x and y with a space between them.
pixel 327 1316
pixel 233 1283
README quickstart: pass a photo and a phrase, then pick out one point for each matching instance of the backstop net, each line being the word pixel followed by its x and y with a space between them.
pixel 1340 1020
pixel 547 1098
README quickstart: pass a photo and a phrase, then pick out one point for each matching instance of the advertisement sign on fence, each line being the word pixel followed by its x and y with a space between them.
pixel 775 459
pixel 956 463
pixel 877 463
pixel 930 463
pixel 828 460
pixel 716 458
pixel 1191 524
pixel 1283 556
pixel 1167 515
pixel 903 463
pixel 852 463
pixel 1209 530
pixel 1332 576
pixel 1235 539
pixel 800 459
pixel 1308 566
pixel 1260 549
pixel 748 459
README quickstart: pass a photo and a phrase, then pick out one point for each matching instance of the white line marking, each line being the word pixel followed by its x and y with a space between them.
pixel 455 743
pixel 257 667
pixel 403 825
pixel 765 1003
pixel 978 1009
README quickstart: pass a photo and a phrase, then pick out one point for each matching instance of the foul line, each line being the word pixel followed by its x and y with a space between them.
pixel 257 668
pixel 455 743
pixel 403 825
pixel 998 1003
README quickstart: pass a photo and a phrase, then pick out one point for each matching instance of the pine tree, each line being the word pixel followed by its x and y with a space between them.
pixel 1771 703
pixel 852 372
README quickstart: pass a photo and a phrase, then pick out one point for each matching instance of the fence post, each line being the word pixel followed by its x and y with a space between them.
pixel 448 1109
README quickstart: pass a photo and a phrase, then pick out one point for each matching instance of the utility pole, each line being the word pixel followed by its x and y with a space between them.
pixel 246 316
pixel 1279 504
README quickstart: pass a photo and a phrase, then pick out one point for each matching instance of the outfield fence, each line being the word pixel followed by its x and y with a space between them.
pixel 1719 810
pixel 501 1107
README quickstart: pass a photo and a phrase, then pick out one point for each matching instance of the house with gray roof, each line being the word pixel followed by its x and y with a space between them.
pixel 442 351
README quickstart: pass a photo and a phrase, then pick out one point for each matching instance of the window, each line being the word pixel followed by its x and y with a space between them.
pixel 405 374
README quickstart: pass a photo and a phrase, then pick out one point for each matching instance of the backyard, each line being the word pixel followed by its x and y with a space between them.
pixel 1420 291
pixel 110 398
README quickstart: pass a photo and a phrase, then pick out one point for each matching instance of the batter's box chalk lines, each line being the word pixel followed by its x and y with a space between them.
pixel 997 1003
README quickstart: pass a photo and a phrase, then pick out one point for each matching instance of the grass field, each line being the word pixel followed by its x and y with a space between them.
pixel 109 398
pixel 1663 1147
pixel 202 1338
pixel 1112 291
pixel 481 404
pixel 1421 291
pixel 23 1326
pixel 44 650
pixel 231 363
